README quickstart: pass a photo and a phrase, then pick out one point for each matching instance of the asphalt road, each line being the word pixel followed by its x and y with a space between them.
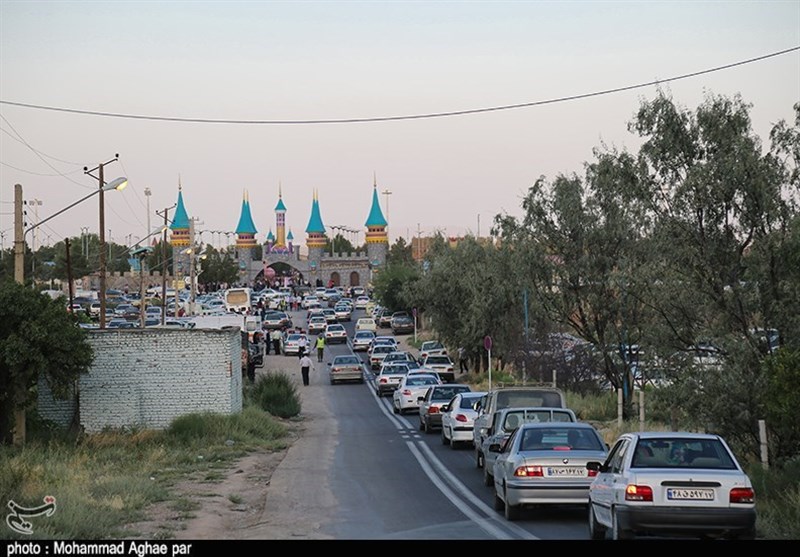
pixel 360 472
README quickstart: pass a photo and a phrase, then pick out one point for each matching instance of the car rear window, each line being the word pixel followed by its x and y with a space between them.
pixel 528 398
pixel 446 393
pixel 558 439
pixel 679 452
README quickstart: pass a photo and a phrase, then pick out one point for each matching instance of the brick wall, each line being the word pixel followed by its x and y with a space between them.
pixel 148 377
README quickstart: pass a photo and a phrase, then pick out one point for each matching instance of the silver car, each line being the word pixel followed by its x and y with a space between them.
pixel 671 484
pixel 389 377
pixel 545 463
pixel 430 416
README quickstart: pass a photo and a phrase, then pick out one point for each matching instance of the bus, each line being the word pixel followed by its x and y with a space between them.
pixel 237 300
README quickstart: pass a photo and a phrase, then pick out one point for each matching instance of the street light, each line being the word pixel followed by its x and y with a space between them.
pixel 116 184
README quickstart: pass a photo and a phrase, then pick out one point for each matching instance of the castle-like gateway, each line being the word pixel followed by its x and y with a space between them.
pixel 317 266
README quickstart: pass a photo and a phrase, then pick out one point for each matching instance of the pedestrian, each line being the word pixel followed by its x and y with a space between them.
pixel 462 359
pixel 276 341
pixel 302 345
pixel 305 368
pixel 320 347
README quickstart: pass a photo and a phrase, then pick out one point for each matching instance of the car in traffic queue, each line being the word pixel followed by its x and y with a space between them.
pixel 458 419
pixel 317 324
pixel 504 422
pixel 275 320
pixel 384 339
pixel 366 324
pixel 335 333
pixel 441 364
pixel 430 417
pixel 346 368
pixel 389 377
pixel 384 319
pixel 329 314
pixel 343 312
pixel 361 302
pixel 290 343
pixel 362 340
pixel 401 356
pixel 377 354
pixel 405 397
pixel 431 348
pixel 545 464
pixel 668 483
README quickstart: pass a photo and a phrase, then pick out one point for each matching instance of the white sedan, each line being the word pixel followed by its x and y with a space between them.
pixel 407 394
pixel 458 419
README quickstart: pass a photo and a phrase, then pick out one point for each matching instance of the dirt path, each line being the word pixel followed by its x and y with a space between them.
pixel 266 495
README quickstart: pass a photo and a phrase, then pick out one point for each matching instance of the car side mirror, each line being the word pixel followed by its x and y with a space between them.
pixel 594 466
pixel 496 448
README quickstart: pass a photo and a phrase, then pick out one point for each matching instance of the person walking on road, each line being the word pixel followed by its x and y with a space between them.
pixel 320 347
pixel 302 345
pixel 462 359
pixel 305 368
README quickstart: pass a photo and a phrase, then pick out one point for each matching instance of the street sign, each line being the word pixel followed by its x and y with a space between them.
pixel 414 312
pixel 487 342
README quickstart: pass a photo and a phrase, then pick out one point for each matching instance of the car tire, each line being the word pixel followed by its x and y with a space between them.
pixel 488 480
pixel 479 462
pixel 499 504
pixel 394 409
pixel 596 530
pixel 422 425
pixel 445 440
pixel 512 512
pixel 453 444
pixel 618 533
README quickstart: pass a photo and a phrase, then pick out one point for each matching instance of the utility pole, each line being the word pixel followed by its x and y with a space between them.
pixel 35 203
pixel 69 272
pixel 147 194
pixel 193 257
pixel 419 243
pixel 164 267
pixel 19 242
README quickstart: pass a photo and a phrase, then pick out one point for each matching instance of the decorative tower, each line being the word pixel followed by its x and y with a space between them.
pixel 315 237
pixel 245 240
pixel 280 225
pixel 377 238
pixel 270 241
pixel 290 241
pixel 180 241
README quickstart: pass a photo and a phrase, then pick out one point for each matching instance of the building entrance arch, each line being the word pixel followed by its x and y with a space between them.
pixel 355 279
pixel 336 280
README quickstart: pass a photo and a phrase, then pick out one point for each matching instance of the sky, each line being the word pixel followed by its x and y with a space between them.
pixel 316 62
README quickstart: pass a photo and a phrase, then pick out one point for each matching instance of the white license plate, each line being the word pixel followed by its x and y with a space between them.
pixel 690 494
pixel 570 471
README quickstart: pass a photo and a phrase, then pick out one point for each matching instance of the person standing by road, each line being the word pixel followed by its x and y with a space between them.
pixel 305 369
pixel 275 336
pixel 302 345
pixel 320 347
pixel 462 359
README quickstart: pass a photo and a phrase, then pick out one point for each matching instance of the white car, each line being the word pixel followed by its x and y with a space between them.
pixel 431 348
pixel 366 324
pixel 362 340
pixel 335 333
pixel 458 419
pixel 361 302
pixel 667 483
pixel 378 353
pixel 414 385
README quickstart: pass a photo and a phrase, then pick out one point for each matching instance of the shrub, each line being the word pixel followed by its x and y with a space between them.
pixel 277 394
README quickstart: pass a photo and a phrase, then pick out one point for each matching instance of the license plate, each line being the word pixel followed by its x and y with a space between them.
pixel 570 471
pixel 690 494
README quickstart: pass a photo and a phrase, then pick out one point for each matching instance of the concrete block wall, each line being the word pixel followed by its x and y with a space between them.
pixel 148 377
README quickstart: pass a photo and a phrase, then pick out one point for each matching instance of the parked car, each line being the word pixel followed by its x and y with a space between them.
pixel 441 364
pixel 431 348
pixel 362 340
pixel 346 368
pixel 504 422
pixel 384 318
pixel 430 418
pixel 671 484
pixel 335 334
pixel 545 464
pixel 406 396
pixel 389 377
pixel 458 418
pixel 402 323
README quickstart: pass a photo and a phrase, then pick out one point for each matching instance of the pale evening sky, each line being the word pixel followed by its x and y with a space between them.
pixel 300 61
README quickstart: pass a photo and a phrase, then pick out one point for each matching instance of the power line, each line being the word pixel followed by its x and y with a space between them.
pixel 403 117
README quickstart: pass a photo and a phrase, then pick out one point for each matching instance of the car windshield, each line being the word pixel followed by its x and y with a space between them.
pixel 437 360
pixel 559 439
pixel 364 335
pixel 468 401
pixel 395 370
pixel 676 452
pixel 382 349
pixel 448 392
pixel 431 345
pixel 346 360
pixel 420 381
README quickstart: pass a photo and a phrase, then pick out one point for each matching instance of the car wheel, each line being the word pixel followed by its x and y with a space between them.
pixel 512 512
pixel 478 459
pixel 422 425
pixel 488 480
pixel 453 443
pixel 394 409
pixel 445 440
pixel 618 533
pixel 499 504
pixel 596 531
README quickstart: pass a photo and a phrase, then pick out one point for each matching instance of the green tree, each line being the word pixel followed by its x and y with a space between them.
pixel 38 340
pixel 400 253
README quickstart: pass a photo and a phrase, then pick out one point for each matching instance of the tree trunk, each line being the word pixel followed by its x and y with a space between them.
pixel 19 426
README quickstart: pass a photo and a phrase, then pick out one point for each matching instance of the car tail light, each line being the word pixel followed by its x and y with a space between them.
pixel 461 418
pixel 742 495
pixel 383 380
pixel 449 369
pixel 433 410
pixel 406 392
pixel 529 472
pixel 638 493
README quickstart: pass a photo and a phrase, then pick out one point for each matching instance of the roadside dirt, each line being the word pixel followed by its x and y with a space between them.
pixel 265 495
